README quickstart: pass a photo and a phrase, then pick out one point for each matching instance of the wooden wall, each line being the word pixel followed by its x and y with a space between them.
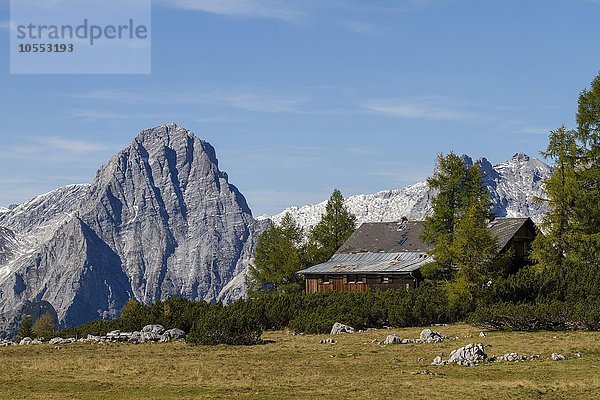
pixel 520 244
pixel 341 283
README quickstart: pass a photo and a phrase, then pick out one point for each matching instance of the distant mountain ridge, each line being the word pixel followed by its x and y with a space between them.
pixel 159 220
pixel 514 185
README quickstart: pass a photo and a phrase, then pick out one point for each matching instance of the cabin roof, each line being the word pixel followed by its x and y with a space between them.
pixel 395 247
pixel 394 237
pixel 368 262
pixel 389 237
pixel 506 228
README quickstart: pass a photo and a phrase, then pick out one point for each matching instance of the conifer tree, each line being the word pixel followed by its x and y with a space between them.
pixel 474 248
pixel 25 329
pixel 457 228
pixel 278 258
pixel 562 190
pixel 572 228
pixel 587 202
pixel 334 228
pixel 44 326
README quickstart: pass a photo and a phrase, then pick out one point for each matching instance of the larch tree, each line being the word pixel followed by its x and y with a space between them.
pixel 334 228
pixel 572 227
pixel 587 203
pixel 44 326
pixel 457 227
pixel 279 255
pixel 562 188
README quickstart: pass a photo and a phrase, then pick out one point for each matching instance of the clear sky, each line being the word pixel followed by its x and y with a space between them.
pixel 302 96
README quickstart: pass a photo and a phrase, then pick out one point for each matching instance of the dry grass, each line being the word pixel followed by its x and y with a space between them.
pixel 299 367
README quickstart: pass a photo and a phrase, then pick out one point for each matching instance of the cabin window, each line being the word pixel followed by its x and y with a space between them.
pixel 326 279
pixel 351 279
pixel 360 279
pixel 385 279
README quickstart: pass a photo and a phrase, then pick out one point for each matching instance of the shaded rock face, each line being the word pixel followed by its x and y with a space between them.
pixel 159 220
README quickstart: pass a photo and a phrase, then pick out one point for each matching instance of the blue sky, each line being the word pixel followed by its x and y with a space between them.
pixel 300 97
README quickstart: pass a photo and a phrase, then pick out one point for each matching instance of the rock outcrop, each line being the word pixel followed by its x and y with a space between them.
pixel 339 328
pixel 159 220
pixel 469 355
pixel 429 336
pixel 393 339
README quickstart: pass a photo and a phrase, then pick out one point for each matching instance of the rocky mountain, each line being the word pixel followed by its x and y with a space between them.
pixel 513 185
pixel 159 220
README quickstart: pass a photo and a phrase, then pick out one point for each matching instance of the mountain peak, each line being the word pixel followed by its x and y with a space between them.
pixel 513 186
pixel 520 156
pixel 163 135
pixel 159 220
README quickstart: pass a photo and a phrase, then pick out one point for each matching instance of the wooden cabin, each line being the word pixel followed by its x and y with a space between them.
pixel 515 235
pixel 389 255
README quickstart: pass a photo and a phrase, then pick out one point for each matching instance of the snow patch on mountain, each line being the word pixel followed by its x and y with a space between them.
pixel 514 186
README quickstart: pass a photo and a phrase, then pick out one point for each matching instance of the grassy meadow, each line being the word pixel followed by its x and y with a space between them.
pixel 299 367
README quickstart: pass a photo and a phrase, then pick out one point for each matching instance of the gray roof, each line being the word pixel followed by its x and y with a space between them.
pixel 389 237
pixel 395 247
pixel 395 237
pixel 364 263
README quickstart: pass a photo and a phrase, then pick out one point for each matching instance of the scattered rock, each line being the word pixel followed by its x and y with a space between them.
pixel 469 355
pixel 25 341
pixel 557 357
pixel 512 357
pixel 148 334
pixel 328 341
pixel 482 334
pixel 577 354
pixel 135 337
pixel 158 329
pixel 59 340
pixel 393 339
pixel 425 334
pixel 93 339
pixel 149 337
pixel 429 336
pixel 174 334
pixel 424 372
pixel 438 361
pixel 341 328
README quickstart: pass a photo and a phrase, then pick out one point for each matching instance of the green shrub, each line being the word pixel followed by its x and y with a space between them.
pixel 553 315
pixel 276 309
pixel 236 324
pixel 313 322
